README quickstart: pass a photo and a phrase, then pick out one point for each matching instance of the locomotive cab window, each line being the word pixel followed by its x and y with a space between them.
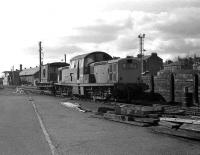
pixel 76 64
pixel 130 65
pixel 81 63
pixel 99 57
pixel 114 67
pixel 44 72
pixel 110 68
pixel 129 61
pixel 113 72
pixel 72 64
pixel 60 75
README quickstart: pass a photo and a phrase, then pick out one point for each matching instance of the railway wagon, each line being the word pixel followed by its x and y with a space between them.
pixel 96 75
pixel 49 73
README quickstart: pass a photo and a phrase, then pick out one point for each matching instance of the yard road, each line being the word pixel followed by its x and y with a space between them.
pixel 77 133
pixel 72 132
pixel 20 131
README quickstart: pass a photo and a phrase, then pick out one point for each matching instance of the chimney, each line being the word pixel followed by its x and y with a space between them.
pixel 154 54
pixel 20 68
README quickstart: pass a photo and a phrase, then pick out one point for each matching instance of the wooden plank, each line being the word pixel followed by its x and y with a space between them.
pixel 191 127
pixel 169 124
pixel 123 119
pixel 115 117
pixel 146 120
pixel 180 132
pixel 180 120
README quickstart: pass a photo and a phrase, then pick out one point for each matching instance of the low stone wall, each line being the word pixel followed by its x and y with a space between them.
pixel 164 85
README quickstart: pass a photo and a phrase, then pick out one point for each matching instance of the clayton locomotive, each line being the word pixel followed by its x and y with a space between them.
pixel 97 75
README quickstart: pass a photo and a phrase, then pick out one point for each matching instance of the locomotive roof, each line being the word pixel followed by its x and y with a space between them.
pixel 57 64
pixel 87 54
pixel 116 60
pixel 65 67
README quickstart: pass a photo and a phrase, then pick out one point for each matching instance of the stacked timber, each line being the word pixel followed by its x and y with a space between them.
pixel 173 110
pixel 192 111
pixel 134 114
pixel 188 127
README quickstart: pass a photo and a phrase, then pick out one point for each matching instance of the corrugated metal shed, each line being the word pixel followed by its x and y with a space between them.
pixel 30 71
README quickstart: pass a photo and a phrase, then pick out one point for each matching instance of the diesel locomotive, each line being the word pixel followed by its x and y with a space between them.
pixel 97 75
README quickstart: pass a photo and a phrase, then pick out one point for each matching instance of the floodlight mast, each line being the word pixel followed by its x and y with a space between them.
pixel 40 59
pixel 141 45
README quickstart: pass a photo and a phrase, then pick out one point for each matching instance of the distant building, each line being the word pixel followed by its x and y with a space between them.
pixel 1 82
pixel 11 78
pixel 181 64
pixel 196 66
pixel 152 63
pixel 29 76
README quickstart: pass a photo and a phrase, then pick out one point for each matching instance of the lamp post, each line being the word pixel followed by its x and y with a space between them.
pixel 40 59
pixel 141 45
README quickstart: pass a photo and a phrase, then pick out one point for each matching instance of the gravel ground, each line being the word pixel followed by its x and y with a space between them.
pixel 74 133
pixel 20 131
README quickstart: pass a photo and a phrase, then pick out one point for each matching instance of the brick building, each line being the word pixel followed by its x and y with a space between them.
pixel 181 64
pixel 152 63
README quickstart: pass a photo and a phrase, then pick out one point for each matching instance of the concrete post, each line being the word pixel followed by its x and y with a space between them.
pixel 152 83
pixel 186 99
pixel 172 94
pixel 195 89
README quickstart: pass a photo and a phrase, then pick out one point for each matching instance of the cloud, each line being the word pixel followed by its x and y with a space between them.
pixel 54 53
pixel 182 22
pixel 128 42
pixel 69 49
pixel 100 32
pixel 179 47
pixel 171 27
pixel 151 6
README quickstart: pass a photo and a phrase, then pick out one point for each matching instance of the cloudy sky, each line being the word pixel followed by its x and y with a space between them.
pixel 73 27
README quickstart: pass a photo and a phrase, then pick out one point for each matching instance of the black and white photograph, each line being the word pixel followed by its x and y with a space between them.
pixel 100 77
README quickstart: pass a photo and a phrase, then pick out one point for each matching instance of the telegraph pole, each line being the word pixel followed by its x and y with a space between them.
pixel 40 59
pixel 65 58
pixel 141 45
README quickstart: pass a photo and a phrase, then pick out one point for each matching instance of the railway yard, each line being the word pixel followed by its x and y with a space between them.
pixel 101 105
pixel 84 127
pixel 100 77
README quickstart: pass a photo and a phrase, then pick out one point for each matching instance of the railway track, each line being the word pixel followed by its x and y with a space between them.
pixel 34 89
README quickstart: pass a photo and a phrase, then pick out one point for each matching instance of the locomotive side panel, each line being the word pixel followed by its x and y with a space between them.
pixel 129 71
pixel 69 75
pixel 100 72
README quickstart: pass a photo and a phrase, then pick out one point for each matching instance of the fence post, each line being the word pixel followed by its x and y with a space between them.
pixel 152 83
pixel 172 96
pixel 187 98
pixel 195 89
